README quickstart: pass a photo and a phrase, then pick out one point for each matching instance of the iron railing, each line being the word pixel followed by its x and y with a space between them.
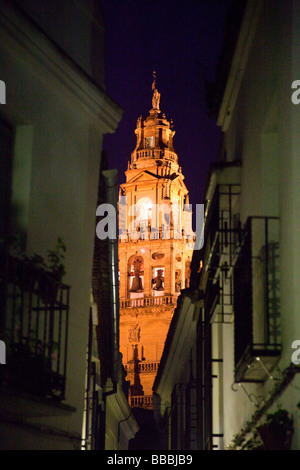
pixel 34 323
pixel 257 300
pixel 223 236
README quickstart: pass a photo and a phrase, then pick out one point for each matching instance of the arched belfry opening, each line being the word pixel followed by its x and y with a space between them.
pixel 136 277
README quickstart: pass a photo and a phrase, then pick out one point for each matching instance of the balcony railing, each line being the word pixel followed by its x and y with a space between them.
pixel 148 301
pixel 145 233
pixel 143 367
pixel 222 230
pixel 157 154
pixel 223 236
pixel 256 301
pixel 34 323
pixel 141 401
pixel 149 153
pixel 219 300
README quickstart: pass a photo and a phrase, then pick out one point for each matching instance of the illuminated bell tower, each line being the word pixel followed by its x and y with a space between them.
pixel 155 249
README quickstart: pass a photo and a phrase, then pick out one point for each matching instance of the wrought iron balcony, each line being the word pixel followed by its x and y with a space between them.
pixel 222 230
pixel 223 236
pixel 219 299
pixel 257 301
pixel 34 324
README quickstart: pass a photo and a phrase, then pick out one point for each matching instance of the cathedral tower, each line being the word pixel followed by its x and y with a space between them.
pixel 155 249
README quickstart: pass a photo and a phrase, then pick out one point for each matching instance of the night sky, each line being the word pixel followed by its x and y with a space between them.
pixel 181 41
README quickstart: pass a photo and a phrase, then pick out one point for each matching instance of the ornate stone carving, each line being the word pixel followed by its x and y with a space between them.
pixel 134 334
pixel 155 99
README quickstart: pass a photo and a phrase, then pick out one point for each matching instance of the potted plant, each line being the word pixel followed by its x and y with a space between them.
pixel 254 443
pixel 277 432
pixel 54 273
pixel 55 259
pixel 28 269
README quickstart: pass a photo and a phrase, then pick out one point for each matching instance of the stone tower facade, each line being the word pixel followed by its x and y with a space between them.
pixel 155 249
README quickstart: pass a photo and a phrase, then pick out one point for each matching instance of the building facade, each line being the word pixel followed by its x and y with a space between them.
pixel 155 248
pixel 51 131
pixel 241 318
pixel 251 300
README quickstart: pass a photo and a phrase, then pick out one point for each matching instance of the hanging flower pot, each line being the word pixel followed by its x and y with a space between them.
pixel 277 432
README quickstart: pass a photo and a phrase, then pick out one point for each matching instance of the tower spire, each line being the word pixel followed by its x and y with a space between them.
pixel 156 94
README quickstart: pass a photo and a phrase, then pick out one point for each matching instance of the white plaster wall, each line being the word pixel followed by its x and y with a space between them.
pixel 76 26
pixel 264 133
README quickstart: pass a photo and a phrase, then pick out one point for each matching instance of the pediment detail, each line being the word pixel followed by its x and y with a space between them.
pixel 144 175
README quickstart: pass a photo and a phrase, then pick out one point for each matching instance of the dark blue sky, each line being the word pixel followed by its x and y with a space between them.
pixel 182 41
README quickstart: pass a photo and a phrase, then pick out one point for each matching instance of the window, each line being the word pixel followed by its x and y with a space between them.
pixel 144 216
pixel 35 320
pixel 256 301
pixel 149 142
pixel 144 208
